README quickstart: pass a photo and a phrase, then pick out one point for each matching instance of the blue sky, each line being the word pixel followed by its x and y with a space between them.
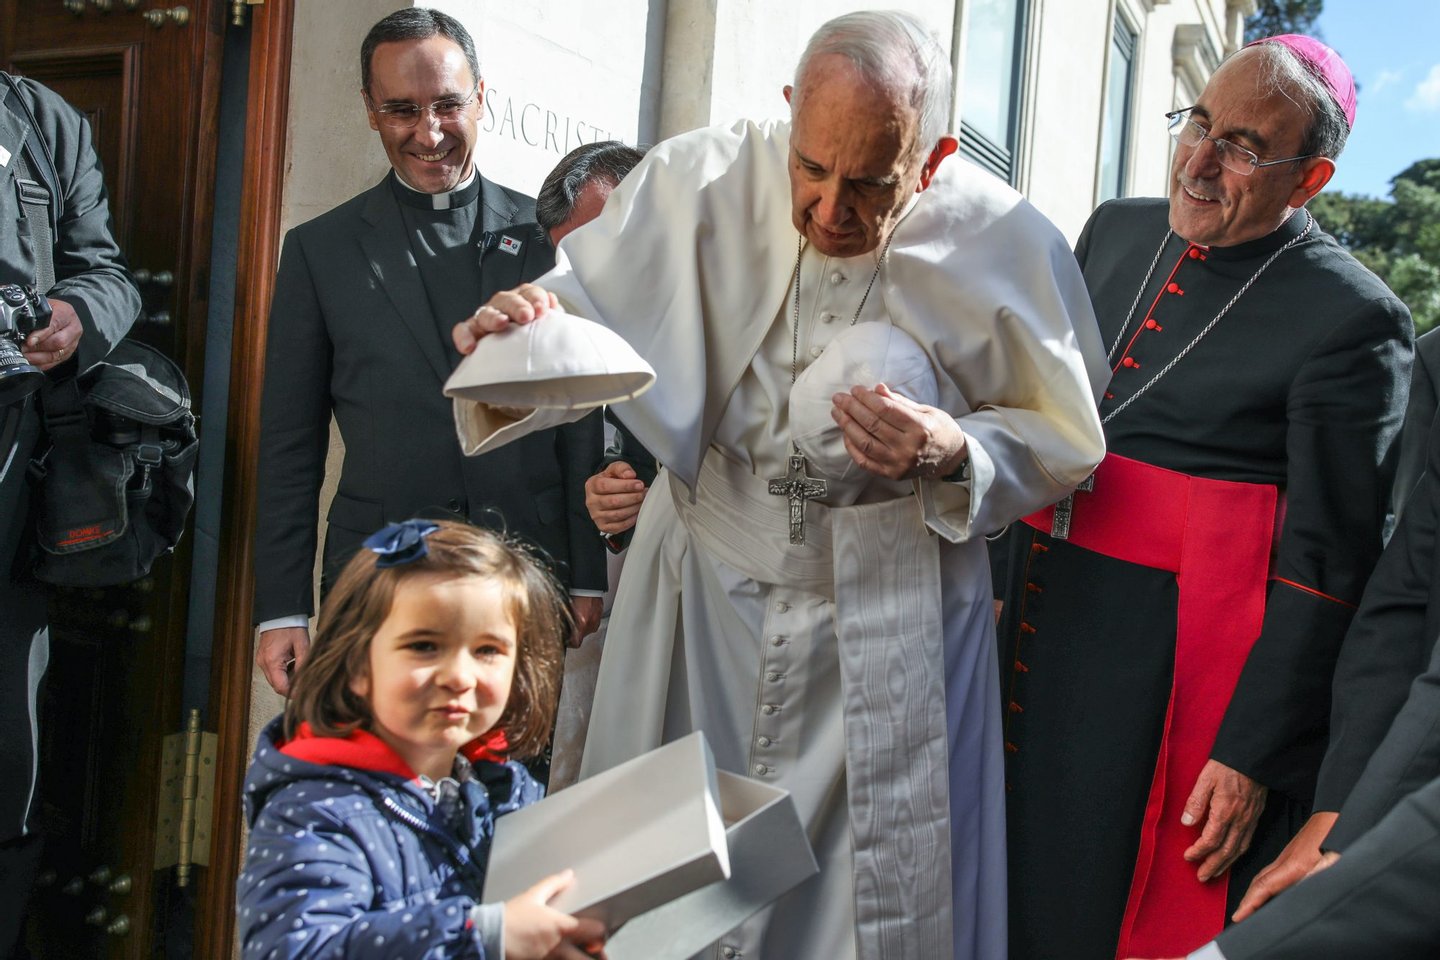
pixel 1393 48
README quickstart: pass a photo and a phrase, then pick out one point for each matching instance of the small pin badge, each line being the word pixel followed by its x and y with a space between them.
pixel 510 245
pixel 4 157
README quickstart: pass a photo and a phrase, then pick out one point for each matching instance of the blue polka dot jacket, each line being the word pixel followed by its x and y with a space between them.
pixel 351 856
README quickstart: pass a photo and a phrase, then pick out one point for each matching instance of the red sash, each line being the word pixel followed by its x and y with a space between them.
pixel 1215 536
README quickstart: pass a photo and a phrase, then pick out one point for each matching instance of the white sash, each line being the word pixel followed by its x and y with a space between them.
pixel 890 635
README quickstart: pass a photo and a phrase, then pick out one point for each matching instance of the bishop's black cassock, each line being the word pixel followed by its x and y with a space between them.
pixel 1272 435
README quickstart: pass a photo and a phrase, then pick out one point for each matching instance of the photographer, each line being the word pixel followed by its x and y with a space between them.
pixel 92 304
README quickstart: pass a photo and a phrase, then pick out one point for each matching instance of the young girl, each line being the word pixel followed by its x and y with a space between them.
pixel 372 802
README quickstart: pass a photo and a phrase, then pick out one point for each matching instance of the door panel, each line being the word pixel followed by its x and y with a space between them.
pixel 149 85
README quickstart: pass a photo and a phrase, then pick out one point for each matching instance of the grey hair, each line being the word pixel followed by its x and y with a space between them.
pixel 1295 77
pixel 608 160
pixel 895 51
pixel 416 23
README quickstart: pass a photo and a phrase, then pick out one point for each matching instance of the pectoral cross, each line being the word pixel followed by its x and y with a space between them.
pixel 799 487
pixel 1060 529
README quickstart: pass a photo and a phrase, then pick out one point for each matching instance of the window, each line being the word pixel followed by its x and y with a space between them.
pixel 994 67
pixel 1116 121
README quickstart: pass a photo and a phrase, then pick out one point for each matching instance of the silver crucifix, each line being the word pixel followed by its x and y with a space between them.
pixel 1060 529
pixel 798 487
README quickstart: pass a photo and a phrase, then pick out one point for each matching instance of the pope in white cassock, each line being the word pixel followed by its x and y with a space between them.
pixel 847 656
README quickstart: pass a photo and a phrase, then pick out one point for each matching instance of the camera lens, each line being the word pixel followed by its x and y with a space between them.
pixel 18 377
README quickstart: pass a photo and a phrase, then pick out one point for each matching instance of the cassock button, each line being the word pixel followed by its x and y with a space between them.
pixel 778 640
pixel 816 351
pixel 781 606
pixel 760 770
pixel 453 504
pixel 764 741
pixel 1194 253
pixel 774 677
pixel 1152 325
pixel 769 709
pixel 837 278
pixel 826 317
pixel 1174 288
pixel 1130 362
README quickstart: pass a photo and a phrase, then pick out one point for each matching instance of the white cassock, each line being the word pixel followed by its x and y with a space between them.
pixel 857 671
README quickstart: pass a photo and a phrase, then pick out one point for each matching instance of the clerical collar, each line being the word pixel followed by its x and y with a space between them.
pixel 461 196
pixel 1296 224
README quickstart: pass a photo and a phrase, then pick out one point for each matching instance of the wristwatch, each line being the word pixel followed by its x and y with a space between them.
pixel 961 474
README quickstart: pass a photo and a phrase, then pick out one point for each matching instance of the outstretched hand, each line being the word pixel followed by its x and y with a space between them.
pixel 525 304
pixel 1298 860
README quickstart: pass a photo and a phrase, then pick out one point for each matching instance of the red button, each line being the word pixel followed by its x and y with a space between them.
pixel 1016 708
pixel 1173 288
pixel 1151 325
pixel 1109 395
pixel 1021 668
pixel 1129 362
pixel 1194 253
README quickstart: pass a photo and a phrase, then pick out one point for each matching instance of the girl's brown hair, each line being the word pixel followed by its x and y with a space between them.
pixel 360 602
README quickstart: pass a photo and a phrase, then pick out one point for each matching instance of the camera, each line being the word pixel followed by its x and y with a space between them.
pixel 22 312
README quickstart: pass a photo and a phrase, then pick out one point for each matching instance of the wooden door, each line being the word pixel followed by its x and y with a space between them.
pixel 146 73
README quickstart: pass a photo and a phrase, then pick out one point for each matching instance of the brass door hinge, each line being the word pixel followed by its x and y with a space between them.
pixel 187 800
pixel 237 10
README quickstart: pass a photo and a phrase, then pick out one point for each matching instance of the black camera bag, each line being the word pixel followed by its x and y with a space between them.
pixel 116 483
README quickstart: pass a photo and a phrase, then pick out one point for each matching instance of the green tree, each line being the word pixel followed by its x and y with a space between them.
pixel 1398 238
pixel 1284 16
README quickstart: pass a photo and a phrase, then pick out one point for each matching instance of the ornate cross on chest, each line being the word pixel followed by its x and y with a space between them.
pixel 799 487
pixel 1060 528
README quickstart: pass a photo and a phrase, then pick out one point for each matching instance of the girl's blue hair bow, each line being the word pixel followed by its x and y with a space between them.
pixel 401 543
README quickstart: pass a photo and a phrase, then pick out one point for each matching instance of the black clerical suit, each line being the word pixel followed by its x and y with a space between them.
pixel 365 300
pixel 1299 386
pixel 90 275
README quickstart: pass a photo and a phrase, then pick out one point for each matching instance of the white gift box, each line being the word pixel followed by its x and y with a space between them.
pixel 769 856
pixel 637 836
pixel 666 850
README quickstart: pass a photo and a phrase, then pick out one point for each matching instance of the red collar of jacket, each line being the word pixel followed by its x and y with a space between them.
pixel 362 750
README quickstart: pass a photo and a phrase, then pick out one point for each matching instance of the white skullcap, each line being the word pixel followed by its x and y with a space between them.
pixel 560 360
pixel 863 355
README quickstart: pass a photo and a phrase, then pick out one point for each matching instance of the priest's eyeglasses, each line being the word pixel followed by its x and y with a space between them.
pixel 402 115
pixel 1234 158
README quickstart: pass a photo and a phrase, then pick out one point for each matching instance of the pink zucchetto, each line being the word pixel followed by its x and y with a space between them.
pixel 1327 64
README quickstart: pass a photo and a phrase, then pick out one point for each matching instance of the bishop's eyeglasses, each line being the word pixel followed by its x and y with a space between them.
pixel 1232 157
pixel 403 115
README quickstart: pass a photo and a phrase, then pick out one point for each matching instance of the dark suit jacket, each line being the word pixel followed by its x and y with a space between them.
pixel 1381 901
pixel 351 334
pixel 1419 412
pixel 90 273
pixel 1387 646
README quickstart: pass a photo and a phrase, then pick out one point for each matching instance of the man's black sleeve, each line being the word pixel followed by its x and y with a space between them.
pixel 1387 645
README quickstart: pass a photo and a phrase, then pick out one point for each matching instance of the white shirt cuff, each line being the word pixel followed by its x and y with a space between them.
pixel 587 593
pixel 1211 951
pixel 280 623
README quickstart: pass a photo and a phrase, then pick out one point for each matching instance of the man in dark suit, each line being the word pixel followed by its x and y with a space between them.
pixel 364 302
pixel 46 146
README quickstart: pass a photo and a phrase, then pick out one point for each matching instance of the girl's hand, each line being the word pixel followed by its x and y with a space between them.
pixel 536 931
